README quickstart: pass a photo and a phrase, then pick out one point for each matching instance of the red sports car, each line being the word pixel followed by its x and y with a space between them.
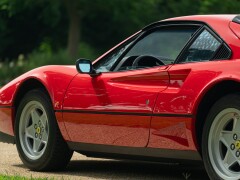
pixel 170 91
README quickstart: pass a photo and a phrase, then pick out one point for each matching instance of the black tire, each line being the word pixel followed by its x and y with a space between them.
pixel 55 154
pixel 217 141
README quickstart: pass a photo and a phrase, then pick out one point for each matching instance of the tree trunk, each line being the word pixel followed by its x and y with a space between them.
pixel 74 27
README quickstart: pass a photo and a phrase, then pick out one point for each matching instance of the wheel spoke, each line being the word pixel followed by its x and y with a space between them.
pixel 229 159
pixel 30 131
pixel 36 145
pixel 44 137
pixel 35 116
pixel 226 137
pixel 43 119
pixel 236 125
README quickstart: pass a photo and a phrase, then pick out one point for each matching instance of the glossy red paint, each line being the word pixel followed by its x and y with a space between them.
pixel 118 130
pixel 61 125
pixel 154 107
pixel 172 133
pixel 134 92
pixel 54 78
pixel 235 28
pixel 188 84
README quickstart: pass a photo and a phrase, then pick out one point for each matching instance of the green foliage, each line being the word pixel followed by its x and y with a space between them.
pixel 11 69
pixel 115 20
pixel 24 25
pixel 38 30
pixel 217 7
pixel 172 8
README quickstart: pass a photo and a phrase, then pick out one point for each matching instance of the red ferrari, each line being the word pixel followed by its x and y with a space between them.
pixel 170 91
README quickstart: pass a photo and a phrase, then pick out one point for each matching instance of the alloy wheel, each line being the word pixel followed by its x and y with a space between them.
pixel 224 144
pixel 33 130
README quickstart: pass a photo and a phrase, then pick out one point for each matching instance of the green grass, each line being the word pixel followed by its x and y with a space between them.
pixel 6 177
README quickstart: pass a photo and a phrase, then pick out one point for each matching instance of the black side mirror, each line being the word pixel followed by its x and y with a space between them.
pixel 85 66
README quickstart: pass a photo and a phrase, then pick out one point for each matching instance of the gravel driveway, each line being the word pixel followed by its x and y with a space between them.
pixel 84 168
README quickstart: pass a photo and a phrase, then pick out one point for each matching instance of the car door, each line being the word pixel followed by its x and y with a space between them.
pixel 115 108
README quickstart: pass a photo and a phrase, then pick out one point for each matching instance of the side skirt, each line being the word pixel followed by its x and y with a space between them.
pixel 134 153
pixel 6 138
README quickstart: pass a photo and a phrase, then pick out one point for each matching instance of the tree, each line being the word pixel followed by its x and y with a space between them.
pixel 24 25
pixel 110 21
pixel 73 9
pixel 214 7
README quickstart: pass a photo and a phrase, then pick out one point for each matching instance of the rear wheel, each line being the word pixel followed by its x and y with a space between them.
pixel 221 139
pixel 38 139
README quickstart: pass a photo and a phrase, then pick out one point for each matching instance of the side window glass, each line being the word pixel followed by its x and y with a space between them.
pixel 202 49
pixel 159 47
pixel 164 43
pixel 107 62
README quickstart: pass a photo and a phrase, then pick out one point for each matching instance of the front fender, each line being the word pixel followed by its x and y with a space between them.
pixel 55 79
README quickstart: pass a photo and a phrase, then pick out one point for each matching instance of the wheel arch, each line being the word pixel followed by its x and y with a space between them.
pixel 208 98
pixel 51 89
pixel 24 88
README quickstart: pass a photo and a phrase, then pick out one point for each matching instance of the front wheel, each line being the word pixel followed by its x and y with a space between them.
pixel 221 139
pixel 39 142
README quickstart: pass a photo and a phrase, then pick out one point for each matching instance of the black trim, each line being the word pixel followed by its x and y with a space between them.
pixel 180 58
pixel 236 19
pixel 6 138
pixel 157 25
pixel 223 44
pixel 192 22
pixel 172 22
pixel 130 41
pixel 136 153
pixel 6 107
pixel 148 31
pixel 125 113
pixel 222 53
